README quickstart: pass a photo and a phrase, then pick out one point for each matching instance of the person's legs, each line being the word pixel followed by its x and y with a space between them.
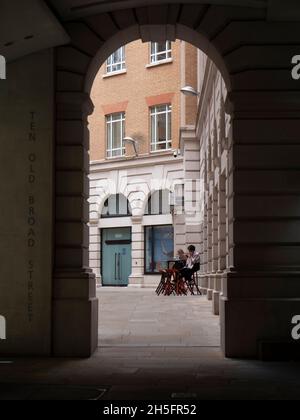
pixel 187 273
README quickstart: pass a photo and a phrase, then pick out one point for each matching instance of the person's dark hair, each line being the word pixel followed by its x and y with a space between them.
pixel 191 248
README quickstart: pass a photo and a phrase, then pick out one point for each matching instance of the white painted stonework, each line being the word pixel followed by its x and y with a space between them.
pixel 213 131
pixel 136 179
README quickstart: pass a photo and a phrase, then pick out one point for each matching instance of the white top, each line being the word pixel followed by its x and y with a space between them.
pixel 191 261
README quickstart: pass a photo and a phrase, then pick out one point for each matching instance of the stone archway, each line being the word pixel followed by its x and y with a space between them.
pixel 253 50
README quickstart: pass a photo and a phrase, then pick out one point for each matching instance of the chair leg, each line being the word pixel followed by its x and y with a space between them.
pixel 190 287
pixel 195 280
pixel 160 288
pixel 169 289
pixel 198 290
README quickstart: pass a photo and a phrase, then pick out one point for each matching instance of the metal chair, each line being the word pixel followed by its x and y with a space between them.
pixel 194 284
pixel 167 284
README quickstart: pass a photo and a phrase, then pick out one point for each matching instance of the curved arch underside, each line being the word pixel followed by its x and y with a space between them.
pixel 239 40
pixel 84 8
pixel 213 29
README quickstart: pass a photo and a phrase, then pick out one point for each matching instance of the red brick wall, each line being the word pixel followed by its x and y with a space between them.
pixel 134 92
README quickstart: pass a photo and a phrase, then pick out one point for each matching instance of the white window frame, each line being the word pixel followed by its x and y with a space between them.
pixel 159 56
pixel 116 66
pixel 110 120
pixel 154 113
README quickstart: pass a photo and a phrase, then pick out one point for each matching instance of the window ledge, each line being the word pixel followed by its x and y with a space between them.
pixel 116 73
pixel 159 63
pixel 162 152
pixel 115 158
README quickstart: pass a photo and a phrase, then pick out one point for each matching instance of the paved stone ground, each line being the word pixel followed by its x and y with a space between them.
pixel 137 373
pixel 138 317
pixel 156 373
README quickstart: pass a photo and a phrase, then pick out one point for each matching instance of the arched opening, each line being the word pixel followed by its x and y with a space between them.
pixel 116 206
pixel 112 55
pixel 158 203
pixel 248 94
pixel 247 228
pixel 137 149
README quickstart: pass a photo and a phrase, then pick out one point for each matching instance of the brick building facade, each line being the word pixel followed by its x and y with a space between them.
pixel 132 93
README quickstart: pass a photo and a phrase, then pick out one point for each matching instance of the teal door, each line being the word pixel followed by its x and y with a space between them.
pixel 116 256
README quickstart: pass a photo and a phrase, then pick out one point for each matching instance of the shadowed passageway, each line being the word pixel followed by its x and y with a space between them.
pixel 129 373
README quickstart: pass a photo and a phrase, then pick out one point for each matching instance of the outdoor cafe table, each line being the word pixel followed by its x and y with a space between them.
pixel 179 288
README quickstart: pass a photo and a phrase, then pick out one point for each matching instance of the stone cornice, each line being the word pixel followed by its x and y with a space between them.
pixel 123 164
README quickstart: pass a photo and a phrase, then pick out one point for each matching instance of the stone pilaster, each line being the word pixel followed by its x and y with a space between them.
pixel 75 307
pixel 262 290
pixel 192 187
pixel 214 222
pixel 210 247
pixel 221 244
pixel 95 251
pixel 204 279
pixel 137 276
pixel 222 224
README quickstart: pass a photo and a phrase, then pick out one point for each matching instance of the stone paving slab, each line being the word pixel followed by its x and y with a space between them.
pixel 138 317
pixel 133 372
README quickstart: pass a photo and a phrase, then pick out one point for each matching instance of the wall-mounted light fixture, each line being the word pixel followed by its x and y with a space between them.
pixel 189 91
pixel 176 153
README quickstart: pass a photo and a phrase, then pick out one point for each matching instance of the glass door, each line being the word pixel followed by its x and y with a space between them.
pixel 116 256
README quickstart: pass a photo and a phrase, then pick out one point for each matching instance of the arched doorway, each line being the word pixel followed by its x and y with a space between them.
pixel 255 102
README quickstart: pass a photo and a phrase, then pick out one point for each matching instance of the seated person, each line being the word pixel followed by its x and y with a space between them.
pixel 182 258
pixel 192 264
pixel 178 265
